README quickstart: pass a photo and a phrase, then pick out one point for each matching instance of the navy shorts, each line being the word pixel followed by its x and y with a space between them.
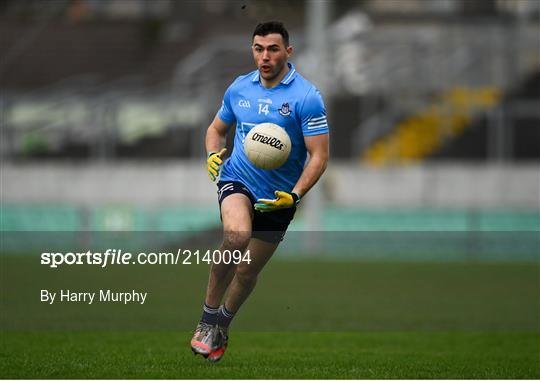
pixel 268 226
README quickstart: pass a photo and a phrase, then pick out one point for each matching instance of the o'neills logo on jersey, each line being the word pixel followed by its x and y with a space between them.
pixel 270 140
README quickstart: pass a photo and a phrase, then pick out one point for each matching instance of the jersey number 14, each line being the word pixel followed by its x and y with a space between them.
pixel 263 109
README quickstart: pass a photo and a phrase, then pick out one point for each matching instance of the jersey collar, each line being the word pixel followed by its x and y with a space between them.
pixel 291 75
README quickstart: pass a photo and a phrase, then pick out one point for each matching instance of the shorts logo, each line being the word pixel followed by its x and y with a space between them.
pixel 244 103
pixel 226 187
pixel 284 110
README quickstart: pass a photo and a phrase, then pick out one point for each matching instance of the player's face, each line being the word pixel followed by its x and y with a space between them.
pixel 271 55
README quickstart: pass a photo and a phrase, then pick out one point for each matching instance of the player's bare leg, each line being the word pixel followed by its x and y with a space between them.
pixel 236 213
pixel 246 274
pixel 243 283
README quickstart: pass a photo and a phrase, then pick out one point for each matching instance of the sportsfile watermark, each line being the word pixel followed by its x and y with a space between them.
pixel 401 281
pixel 119 257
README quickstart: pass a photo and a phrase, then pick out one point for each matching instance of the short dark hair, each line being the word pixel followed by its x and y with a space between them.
pixel 269 27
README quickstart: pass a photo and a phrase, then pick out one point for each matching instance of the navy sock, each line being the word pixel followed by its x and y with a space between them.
pixel 210 314
pixel 224 317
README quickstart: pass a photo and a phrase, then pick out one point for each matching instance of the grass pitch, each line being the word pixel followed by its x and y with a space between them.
pixel 273 355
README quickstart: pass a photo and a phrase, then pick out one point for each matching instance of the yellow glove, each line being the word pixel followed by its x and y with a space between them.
pixel 283 200
pixel 213 163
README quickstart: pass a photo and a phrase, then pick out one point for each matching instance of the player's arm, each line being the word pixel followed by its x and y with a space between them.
pixel 216 135
pixel 317 146
pixel 215 142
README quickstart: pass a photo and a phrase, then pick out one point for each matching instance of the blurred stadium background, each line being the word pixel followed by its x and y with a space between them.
pixel 433 106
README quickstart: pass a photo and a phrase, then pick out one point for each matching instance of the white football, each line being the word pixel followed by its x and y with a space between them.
pixel 267 146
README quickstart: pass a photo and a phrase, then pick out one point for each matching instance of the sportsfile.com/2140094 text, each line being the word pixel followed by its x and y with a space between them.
pixel 119 257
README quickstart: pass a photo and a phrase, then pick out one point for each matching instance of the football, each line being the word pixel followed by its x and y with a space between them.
pixel 267 146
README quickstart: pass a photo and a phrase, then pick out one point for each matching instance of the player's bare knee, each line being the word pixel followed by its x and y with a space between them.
pixel 236 240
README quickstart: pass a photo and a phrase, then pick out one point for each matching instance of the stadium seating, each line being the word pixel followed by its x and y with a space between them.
pixel 421 134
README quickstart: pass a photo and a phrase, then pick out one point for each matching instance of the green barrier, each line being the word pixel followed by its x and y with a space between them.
pixel 41 218
pixel 106 218
pixel 410 234
pixel 342 219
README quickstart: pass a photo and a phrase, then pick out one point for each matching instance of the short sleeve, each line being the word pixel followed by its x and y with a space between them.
pixel 226 113
pixel 313 114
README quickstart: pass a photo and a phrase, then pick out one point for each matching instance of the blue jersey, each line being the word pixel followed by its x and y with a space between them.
pixel 294 104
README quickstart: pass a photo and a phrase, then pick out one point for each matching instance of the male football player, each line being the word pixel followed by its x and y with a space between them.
pixel 257 205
